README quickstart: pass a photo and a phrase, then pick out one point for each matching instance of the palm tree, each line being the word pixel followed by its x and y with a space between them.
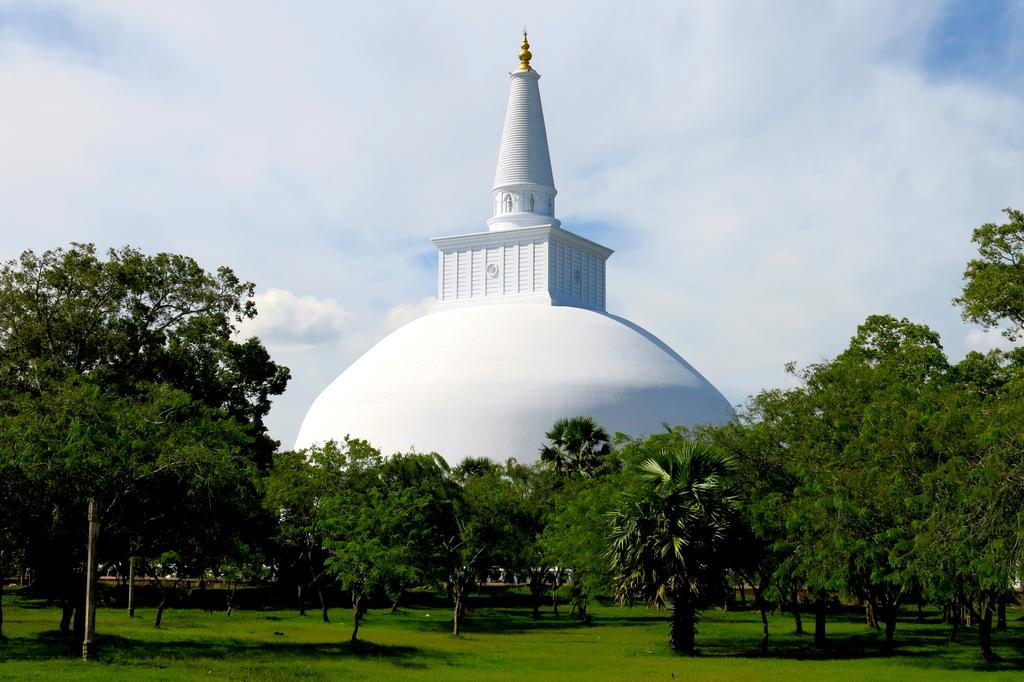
pixel 578 445
pixel 668 541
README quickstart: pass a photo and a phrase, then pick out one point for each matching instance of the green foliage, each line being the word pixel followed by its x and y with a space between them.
pixel 578 446
pixel 994 281
pixel 120 380
pixel 667 541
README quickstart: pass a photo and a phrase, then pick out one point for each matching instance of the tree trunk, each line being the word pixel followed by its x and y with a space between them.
pixel 871 612
pixel 319 592
pixel 820 610
pixel 457 611
pixel 357 615
pixel 88 646
pixel 890 623
pixel 762 607
pixel 798 622
pixel 160 611
pixel 955 618
pixel 302 604
pixel 536 592
pixel 743 594
pixel 78 625
pixel 67 612
pixel 398 597
pixel 985 629
pixel 581 608
pixel 555 584
pixel 683 630
pixel 131 587
pixel 2 637
pixel 230 598
pixel 165 597
pixel 1001 613
pixel 323 605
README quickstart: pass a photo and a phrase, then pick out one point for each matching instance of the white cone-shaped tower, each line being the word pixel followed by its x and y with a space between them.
pixel 519 337
pixel 524 188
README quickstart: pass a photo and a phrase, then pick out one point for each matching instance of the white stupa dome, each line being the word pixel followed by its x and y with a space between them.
pixel 489 381
pixel 519 337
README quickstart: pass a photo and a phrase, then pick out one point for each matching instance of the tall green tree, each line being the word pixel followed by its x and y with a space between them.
pixel 667 541
pixel 357 557
pixel 490 531
pixel 757 443
pixel 968 548
pixel 861 443
pixel 298 489
pixel 130 333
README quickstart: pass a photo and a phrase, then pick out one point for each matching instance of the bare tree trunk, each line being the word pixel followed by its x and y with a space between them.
pixel 67 612
pixel 131 587
pixel 955 617
pixel 557 578
pixel 683 628
pixel 820 611
pixel 762 607
pixel 798 622
pixel 743 594
pixel 165 597
pixel 398 597
pixel 871 612
pixel 457 611
pixel 536 592
pixel 891 609
pixel 302 604
pixel 233 586
pixel 357 615
pixel 160 611
pixel 2 637
pixel 319 593
pixel 1001 613
pixel 323 604
pixel 88 647
pixel 985 628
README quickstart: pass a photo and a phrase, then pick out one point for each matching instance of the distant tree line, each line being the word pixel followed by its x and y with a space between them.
pixel 132 440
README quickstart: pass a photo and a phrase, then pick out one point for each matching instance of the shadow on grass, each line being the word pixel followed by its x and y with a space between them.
pixel 117 649
pixel 919 644
pixel 512 621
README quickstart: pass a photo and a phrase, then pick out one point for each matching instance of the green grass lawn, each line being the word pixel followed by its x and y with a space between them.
pixel 499 643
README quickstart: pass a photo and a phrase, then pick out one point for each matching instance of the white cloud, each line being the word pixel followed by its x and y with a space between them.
pixel 404 313
pixel 285 319
pixel 769 174
pixel 985 340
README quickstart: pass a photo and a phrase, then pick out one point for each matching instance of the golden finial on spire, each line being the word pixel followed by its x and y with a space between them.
pixel 524 55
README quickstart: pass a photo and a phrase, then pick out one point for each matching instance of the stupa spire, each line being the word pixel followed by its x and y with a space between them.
pixel 524 189
pixel 524 54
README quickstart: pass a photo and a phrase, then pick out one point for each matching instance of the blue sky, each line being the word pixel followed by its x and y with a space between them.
pixel 768 173
pixel 977 40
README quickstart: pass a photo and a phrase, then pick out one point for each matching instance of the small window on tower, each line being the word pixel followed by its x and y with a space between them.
pixel 531 203
pixel 508 203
